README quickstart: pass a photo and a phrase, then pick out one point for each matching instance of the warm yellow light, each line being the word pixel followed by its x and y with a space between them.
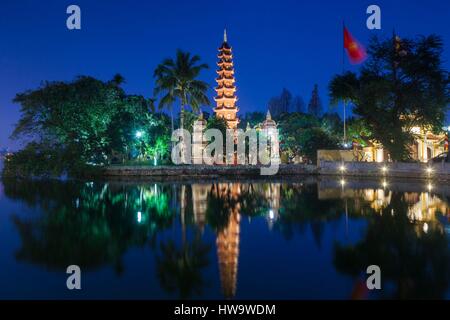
pixel 384 184
pixel 342 168
pixel 429 170
pixel 384 168
pixel 342 182
pixel 430 187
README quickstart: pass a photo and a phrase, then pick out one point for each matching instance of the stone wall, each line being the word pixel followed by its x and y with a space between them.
pixel 327 168
pixel 375 169
pixel 204 170
pixel 334 155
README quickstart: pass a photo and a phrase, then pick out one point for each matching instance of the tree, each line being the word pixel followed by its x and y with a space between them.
pixel 332 124
pixel 313 139
pixel 177 79
pixel 252 118
pixel 415 264
pixel 292 128
pixel 402 85
pixel 157 137
pixel 281 104
pixel 219 124
pixel 180 267
pixel 298 104
pixel 285 101
pixel 133 116
pixel 117 80
pixel 315 105
pixel 358 131
pixel 71 116
pixel 72 125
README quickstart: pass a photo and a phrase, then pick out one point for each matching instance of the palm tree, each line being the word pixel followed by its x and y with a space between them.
pixel 181 268
pixel 118 80
pixel 151 104
pixel 177 80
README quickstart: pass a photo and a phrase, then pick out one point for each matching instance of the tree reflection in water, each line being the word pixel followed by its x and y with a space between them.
pixel 88 224
pixel 414 260
pixel 93 224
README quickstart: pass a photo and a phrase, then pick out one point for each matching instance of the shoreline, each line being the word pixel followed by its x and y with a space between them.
pixel 353 170
pixel 407 171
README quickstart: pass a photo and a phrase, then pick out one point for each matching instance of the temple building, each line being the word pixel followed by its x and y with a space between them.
pixel 226 90
pixel 198 144
pixel 426 145
pixel 269 127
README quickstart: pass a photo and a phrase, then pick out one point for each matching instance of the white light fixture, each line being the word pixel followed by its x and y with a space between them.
pixel 139 217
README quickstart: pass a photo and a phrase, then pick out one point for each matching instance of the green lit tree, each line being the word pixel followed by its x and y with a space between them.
pixel 73 116
pixel 304 134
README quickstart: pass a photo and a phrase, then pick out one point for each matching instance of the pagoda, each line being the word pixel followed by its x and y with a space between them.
pixel 226 89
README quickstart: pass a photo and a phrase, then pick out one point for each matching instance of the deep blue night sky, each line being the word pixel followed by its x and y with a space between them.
pixel 285 43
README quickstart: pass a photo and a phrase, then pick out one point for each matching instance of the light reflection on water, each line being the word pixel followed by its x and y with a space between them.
pixel 256 239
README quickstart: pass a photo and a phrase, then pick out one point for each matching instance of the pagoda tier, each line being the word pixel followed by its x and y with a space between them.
pixel 226 90
pixel 225 63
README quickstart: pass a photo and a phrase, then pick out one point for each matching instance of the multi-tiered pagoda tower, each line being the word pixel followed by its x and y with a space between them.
pixel 226 89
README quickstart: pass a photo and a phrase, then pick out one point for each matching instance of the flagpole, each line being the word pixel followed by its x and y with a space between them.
pixel 343 71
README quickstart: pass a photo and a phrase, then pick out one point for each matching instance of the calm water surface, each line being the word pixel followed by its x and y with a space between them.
pixel 296 239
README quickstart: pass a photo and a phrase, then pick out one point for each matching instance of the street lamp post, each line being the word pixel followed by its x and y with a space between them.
pixel 139 134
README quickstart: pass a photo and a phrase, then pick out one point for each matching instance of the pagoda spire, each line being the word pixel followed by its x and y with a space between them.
pixel 226 90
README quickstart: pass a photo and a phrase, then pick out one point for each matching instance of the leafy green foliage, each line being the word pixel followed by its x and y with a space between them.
pixel 84 122
pixel 304 134
pixel 358 131
pixel 38 159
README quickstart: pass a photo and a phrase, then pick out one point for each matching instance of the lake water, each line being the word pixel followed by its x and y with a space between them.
pixel 278 239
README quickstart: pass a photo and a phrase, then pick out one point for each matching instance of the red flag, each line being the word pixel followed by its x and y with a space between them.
pixel 360 291
pixel 355 51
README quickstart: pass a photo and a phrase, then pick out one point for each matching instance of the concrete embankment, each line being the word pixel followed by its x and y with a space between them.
pixel 327 168
pixel 439 171
pixel 204 171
